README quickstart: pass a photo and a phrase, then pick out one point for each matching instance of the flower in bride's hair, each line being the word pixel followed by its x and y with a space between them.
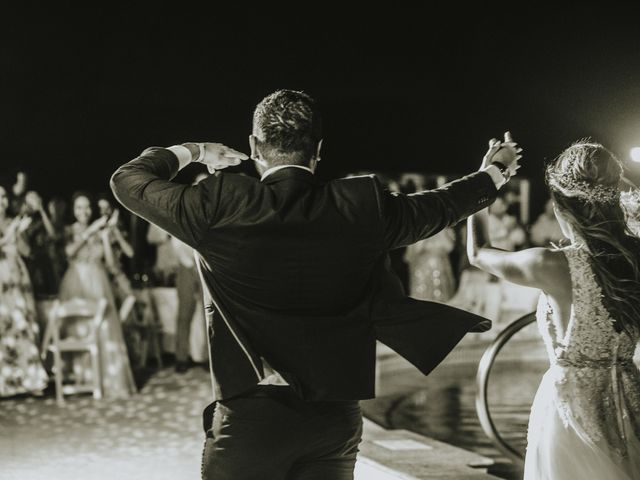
pixel 569 186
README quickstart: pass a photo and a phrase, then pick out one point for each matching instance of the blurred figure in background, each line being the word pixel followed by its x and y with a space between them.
pixel 88 249
pixel 57 208
pixel 120 252
pixel 430 272
pixel 479 291
pixel 546 229
pixel 430 275
pixel 630 202
pixel 18 193
pixel 20 368
pixel 506 233
pixel 40 235
pixel 120 249
pixel 166 263
pixel 189 293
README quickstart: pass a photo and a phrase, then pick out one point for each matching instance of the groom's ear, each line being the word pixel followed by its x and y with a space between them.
pixel 318 148
pixel 253 144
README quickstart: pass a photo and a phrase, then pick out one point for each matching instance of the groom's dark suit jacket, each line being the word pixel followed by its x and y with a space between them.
pixel 295 270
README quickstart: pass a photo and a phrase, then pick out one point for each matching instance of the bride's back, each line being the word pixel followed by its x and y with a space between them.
pixel 575 324
pixel 604 257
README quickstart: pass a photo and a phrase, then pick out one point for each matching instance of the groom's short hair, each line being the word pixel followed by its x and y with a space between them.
pixel 288 127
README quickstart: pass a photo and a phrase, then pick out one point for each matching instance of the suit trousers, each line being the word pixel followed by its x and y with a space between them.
pixel 272 434
pixel 187 286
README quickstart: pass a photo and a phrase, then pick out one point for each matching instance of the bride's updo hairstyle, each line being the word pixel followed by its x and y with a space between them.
pixel 584 183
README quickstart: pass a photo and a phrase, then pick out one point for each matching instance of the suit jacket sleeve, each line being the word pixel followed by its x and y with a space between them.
pixel 144 187
pixel 407 219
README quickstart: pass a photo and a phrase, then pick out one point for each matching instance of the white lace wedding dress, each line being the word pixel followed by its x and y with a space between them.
pixel 585 419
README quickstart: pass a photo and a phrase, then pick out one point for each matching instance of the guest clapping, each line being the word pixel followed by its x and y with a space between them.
pixel 88 250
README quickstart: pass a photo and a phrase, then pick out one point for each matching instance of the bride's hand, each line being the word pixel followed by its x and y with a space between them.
pixel 506 152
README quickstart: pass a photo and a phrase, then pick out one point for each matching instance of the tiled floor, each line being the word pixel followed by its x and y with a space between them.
pixel 156 434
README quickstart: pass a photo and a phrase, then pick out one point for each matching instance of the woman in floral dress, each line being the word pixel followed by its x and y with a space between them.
pixel 21 370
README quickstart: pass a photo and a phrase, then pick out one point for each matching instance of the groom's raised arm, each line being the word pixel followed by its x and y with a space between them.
pixel 409 218
pixel 144 187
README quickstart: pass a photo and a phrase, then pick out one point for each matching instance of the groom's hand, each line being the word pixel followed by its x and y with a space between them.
pixel 506 153
pixel 215 156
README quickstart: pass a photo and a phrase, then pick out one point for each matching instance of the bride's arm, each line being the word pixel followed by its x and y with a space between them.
pixel 532 267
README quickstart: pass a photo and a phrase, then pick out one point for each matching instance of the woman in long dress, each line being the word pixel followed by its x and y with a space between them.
pixel 585 418
pixel 21 370
pixel 430 272
pixel 88 248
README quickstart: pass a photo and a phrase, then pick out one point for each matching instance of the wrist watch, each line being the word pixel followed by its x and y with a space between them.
pixel 504 170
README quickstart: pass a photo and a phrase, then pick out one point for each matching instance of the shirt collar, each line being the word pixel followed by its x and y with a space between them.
pixel 271 170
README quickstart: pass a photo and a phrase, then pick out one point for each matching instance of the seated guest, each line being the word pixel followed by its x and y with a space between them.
pixel 20 368
pixel 88 247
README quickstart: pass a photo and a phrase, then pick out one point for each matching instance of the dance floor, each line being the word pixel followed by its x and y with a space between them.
pixel 155 434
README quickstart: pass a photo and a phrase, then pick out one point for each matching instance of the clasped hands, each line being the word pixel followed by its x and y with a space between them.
pixel 505 152
pixel 217 156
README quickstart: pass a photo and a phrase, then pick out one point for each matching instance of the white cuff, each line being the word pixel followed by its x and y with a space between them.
pixel 496 175
pixel 201 152
pixel 183 154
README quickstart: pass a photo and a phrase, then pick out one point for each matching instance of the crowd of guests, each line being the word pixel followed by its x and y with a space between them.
pixel 83 248
pixel 43 256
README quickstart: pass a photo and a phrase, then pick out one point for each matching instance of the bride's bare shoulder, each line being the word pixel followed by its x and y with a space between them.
pixel 555 256
pixel 555 271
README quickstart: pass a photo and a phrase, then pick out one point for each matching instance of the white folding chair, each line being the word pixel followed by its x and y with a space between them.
pixel 62 312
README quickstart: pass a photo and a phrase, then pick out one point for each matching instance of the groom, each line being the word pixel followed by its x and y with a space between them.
pixel 297 286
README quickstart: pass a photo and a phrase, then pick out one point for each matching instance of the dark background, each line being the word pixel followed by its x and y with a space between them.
pixel 84 89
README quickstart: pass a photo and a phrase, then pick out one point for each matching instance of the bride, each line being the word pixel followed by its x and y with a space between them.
pixel 585 419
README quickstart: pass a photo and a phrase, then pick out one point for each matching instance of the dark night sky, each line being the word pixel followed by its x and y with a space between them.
pixel 84 90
